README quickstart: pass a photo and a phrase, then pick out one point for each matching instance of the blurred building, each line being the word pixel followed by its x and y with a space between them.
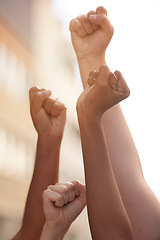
pixel 33 51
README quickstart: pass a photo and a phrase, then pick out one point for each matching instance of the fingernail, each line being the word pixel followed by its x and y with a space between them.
pixel 93 17
pixel 47 92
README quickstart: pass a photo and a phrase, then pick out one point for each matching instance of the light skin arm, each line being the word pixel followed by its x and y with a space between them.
pixel 90 38
pixel 48 233
pixel 62 203
pixel 107 216
pixel 49 117
pixel 122 151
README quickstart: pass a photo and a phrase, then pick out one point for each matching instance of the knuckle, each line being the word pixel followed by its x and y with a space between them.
pixel 33 89
pixel 118 74
pixel 129 92
pixel 104 67
pixel 50 187
pixel 92 12
pixel 58 183
pixel 60 200
pixel 65 190
pixel 82 17
pixel 71 187
pixel 92 72
pixel 102 17
pixel 72 22
pixel 45 193
pixel 30 91
pixel 101 10
pixel 111 29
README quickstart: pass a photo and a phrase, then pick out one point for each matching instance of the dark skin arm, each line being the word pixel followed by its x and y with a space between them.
pixel 107 215
pixel 49 117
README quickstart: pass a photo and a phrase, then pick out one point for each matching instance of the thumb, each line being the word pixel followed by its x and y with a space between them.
pixel 81 189
pixel 38 99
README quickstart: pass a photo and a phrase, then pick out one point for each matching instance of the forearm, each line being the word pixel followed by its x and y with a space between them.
pixel 118 137
pixel 121 147
pixel 45 173
pixel 128 173
pixel 114 124
pixel 88 64
pixel 107 215
pixel 51 233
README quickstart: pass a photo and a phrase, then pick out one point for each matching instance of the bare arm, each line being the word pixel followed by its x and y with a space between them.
pixel 107 215
pixel 90 38
pixel 49 122
pixel 122 150
pixel 49 234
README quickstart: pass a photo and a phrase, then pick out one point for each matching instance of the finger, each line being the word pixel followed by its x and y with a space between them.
pixel 72 191
pixel 42 89
pixel 94 26
pixel 86 23
pixel 76 26
pixel 91 81
pixel 101 10
pixel 103 76
pixel 32 92
pixel 57 107
pixel 48 104
pixel 104 23
pixel 93 75
pixel 51 196
pixel 81 189
pixel 113 82
pixel 118 84
pixel 62 190
pixel 92 12
pixel 37 100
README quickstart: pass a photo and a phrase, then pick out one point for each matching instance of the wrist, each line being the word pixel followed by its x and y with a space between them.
pixel 51 232
pixel 92 60
pixel 48 141
pixel 88 64
pixel 86 111
pixel 87 117
pixel 48 150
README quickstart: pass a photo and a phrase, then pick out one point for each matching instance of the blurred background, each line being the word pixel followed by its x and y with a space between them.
pixel 35 49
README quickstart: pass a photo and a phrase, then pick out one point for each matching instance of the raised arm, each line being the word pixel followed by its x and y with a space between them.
pixel 91 34
pixel 62 204
pixel 49 117
pixel 122 150
pixel 107 215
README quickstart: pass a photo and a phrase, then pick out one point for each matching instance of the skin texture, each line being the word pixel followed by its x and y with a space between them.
pixel 62 203
pixel 107 216
pixel 141 204
pixel 49 117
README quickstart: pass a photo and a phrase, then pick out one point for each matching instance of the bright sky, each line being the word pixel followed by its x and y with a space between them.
pixel 135 51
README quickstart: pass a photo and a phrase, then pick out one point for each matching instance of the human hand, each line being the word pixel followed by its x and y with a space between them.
pixel 104 90
pixel 91 33
pixel 62 203
pixel 48 114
